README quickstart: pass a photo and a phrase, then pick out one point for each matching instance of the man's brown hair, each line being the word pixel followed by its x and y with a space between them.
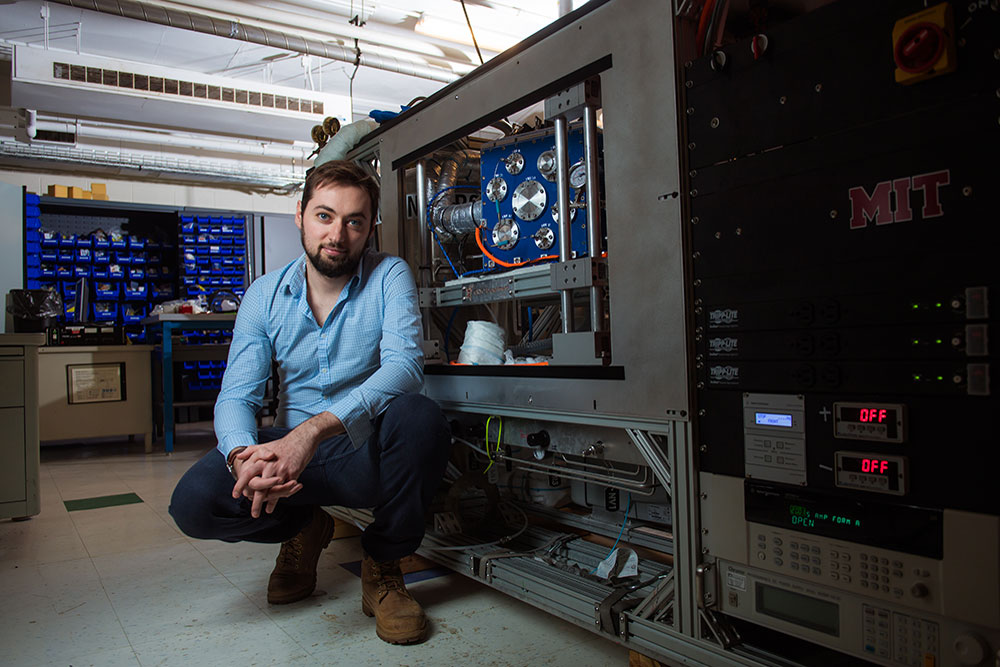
pixel 342 172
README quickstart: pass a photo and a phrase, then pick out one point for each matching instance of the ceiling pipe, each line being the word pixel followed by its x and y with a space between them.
pixel 374 32
pixel 173 140
pixel 209 25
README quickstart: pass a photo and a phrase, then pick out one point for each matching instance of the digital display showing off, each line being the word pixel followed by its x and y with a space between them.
pixel 870 466
pixel 773 419
pixel 871 415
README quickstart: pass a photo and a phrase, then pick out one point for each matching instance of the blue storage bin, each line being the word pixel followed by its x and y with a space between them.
pixel 32 236
pixel 133 313
pixel 84 242
pixel 189 227
pixel 32 223
pixel 66 256
pixel 100 272
pixel 49 255
pixel 102 243
pixel 226 252
pixel 216 220
pixel 32 199
pixel 136 274
pixel 34 272
pixel 68 289
pixel 107 291
pixel 34 284
pixel 47 271
pixel 123 258
pixel 202 261
pixel 135 291
pixel 102 256
pixel 31 211
pixel 81 271
pixel 105 312
pixel 226 240
pixel 136 336
pixel 69 310
pixel 136 242
pixel 189 365
pixel 64 271
pixel 50 239
pixel 152 245
pixel 188 280
pixel 188 239
pixel 116 271
pixel 139 258
pixel 84 255
pixel 215 250
pixel 229 271
pixel 202 220
pixel 214 282
pixel 239 291
pixel 162 290
pixel 34 260
pixel 119 243
pixel 68 241
pixel 154 258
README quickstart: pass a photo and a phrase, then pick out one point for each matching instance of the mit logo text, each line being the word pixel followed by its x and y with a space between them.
pixel 878 206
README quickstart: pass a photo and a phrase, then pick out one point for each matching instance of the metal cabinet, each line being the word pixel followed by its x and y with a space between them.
pixel 19 496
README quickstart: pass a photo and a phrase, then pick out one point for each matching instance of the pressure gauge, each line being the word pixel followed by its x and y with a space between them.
pixel 514 163
pixel 506 233
pixel 547 165
pixel 555 213
pixel 496 189
pixel 529 200
pixel 578 175
pixel 545 238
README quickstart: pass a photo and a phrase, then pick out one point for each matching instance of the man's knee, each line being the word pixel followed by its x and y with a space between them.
pixel 191 508
pixel 418 417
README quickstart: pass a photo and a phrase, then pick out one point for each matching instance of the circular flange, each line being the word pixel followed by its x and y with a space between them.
pixel 514 163
pixel 529 200
pixel 578 175
pixel 496 189
pixel 545 238
pixel 506 233
pixel 547 165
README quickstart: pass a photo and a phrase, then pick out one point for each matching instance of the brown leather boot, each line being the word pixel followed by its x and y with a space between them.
pixel 294 574
pixel 398 617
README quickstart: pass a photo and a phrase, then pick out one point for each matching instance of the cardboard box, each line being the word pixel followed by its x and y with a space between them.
pixel 99 189
pixel 75 192
pixel 101 197
pixel 58 191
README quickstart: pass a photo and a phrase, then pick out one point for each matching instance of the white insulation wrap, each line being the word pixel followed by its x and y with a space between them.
pixel 483 345
pixel 346 139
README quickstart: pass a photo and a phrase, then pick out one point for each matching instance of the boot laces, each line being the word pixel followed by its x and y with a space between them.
pixel 389 577
pixel 291 552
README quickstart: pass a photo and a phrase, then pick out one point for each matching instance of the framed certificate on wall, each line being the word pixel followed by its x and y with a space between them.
pixel 95 383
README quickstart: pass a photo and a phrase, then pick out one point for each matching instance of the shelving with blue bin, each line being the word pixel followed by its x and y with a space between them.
pixel 127 257
pixel 211 258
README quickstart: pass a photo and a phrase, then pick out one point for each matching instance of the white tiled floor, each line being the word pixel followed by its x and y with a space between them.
pixel 122 586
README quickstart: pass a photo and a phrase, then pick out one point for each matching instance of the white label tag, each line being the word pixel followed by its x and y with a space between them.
pixel 736 580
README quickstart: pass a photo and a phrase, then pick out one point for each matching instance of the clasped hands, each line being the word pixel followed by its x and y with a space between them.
pixel 269 472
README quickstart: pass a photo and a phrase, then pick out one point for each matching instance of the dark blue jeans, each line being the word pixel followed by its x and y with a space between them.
pixel 396 472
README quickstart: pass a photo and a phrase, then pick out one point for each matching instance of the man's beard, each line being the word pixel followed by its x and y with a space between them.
pixel 333 267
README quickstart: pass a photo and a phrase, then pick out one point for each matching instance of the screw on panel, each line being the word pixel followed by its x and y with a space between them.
pixel 957 379
pixel 695 220
pixel 697 282
pixel 967 190
pixel 714 123
pixel 833 213
pixel 701 413
pixel 693 173
pixel 702 448
pixel 704 550
pixel 688 84
pixel 694 193
pixel 690 110
pixel 819 87
pixel 718 235
pixel 701 385
pixel 961 41
pixel 782 99
pixel 695 255
pixel 956 341
pixel 996 54
pixel 704 496
pixel 739 231
pixel 691 146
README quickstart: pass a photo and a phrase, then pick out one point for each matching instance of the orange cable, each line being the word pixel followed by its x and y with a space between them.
pixel 509 265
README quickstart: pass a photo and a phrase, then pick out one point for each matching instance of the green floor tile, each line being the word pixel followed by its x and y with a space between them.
pixel 101 501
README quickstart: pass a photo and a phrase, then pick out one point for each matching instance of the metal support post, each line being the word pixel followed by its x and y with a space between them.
pixel 562 208
pixel 425 277
pixel 593 210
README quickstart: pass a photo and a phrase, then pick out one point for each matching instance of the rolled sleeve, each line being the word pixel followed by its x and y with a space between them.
pixel 247 371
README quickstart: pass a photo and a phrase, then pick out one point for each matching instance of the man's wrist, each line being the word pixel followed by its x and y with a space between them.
pixel 231 459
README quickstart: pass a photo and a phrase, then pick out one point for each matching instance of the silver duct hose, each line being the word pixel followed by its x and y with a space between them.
pixel 209 25
pixel 458 219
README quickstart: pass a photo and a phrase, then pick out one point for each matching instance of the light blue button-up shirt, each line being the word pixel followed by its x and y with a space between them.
pixel 367 352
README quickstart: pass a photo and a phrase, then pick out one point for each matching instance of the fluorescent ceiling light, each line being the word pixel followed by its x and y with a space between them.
pixel 505 29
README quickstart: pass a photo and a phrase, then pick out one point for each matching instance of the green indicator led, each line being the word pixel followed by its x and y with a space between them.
pixel 915 306
pixel 937 305
pixel 940 377
pixel 916 377
pixel 938 341
pixel 916 341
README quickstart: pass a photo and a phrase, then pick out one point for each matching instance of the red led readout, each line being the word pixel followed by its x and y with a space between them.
pixel 873 415
pixel 877 466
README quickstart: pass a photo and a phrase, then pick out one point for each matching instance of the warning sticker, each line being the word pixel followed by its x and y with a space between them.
pixel 736 580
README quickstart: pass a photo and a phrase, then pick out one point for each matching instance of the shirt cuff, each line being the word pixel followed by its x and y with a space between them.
pixel 234 440
pixel 356 423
